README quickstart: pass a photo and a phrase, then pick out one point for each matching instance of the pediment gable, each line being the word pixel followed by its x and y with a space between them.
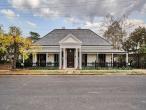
pixel 70 39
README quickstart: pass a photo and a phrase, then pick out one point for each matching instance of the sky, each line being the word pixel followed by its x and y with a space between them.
pixel 43 16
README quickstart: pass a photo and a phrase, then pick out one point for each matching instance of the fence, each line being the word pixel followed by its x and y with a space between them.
pixel 138 65
pixel 95 65
pixel 49 65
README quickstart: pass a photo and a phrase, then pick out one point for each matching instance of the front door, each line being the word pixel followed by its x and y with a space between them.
pixel 70 58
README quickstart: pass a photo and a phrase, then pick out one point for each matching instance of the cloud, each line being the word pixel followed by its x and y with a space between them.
pixel 136 23
pixel 25 3
pixel 73 20
pixel 46 12
pixel 83 12
pixel 9 13
pixel 31 24
pixel 37 7
pixel 143 11
pixel 96 26
pixel 82 9
pixel 129 25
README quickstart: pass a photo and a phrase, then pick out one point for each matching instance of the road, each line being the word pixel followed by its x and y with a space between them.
pixel 72 92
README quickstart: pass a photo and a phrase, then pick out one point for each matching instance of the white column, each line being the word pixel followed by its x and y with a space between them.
pixel 112 59
pixel 60 59
pixel 34 59
pixel 47 58
pixel 64 59
pixel 127 59
pixel 80 58
pixel 97 57
pixel 76 59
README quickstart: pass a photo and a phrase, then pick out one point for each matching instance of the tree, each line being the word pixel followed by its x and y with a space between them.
pixel 4 43
pixel 2 47
pixel 18 44
pixel 129 45
pixel 136 41
pixel 34 36
pixel 115 32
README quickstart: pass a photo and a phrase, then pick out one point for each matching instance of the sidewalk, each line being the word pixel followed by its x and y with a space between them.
pixel 74 72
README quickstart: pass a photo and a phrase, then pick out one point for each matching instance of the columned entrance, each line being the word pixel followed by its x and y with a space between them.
pixel 70 58
pixel 70 52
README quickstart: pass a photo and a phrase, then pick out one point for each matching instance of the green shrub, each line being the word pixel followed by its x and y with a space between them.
pixel 107 68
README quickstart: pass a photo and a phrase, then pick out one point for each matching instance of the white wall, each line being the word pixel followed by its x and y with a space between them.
pixel 51 58
pixel 108 58
pixel 91 58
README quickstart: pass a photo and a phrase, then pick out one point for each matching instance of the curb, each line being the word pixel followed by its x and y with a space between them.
pixel 65 74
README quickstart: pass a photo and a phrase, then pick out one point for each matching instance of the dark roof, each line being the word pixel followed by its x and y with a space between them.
pixel 86 36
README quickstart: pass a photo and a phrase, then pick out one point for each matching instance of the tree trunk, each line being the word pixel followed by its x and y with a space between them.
pixel 14 61
pixel 15 55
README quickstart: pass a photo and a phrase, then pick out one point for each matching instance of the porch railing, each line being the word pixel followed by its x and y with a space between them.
pixel 53 65
pixel 95 65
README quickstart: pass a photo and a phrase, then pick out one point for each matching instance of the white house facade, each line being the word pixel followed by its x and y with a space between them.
pixel 73 48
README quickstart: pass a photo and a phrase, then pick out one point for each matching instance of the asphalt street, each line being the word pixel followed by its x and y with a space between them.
pixel 72 92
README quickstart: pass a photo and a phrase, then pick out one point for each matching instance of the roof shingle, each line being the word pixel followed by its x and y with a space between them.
pixel 86 36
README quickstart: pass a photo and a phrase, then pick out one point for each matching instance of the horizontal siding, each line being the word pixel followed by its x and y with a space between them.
pixel 96 48
pixel 46 49
pixel 84 49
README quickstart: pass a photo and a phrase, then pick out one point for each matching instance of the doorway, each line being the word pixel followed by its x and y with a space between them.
pixel 70 58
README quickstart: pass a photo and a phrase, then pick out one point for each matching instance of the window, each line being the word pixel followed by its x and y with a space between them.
pixel 101 58
pixel 56 58
pixel 84 59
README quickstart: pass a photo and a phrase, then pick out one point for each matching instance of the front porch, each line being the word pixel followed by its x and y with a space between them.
pixel 66 58
pixel 74 58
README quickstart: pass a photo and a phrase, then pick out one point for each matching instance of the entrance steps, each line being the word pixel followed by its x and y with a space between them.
pixel 71 71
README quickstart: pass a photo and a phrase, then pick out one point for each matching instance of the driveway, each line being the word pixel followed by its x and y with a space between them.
pixel 72 93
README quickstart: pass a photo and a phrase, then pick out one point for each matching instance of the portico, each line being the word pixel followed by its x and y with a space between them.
pixel 70 53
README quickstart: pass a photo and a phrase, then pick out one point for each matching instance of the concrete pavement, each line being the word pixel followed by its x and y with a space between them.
pixel 72 92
